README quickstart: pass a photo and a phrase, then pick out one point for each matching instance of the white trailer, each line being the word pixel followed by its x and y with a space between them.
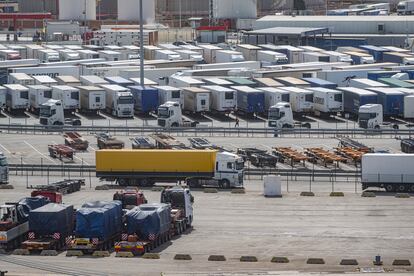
pixel 149 51
pixel 17 97
pixel 51 71
pixel 209 52
pixel 314 57
pixel 68 80
pixel 110 55
pixel 3 93
pixel 338 57
pixel 9 55
pixel 191 55
pixel 267 58
pixel 409 107
pixel 88 54
pixel 405 7
pixel 292 81
pixel 326 102
pixel 92 80
pixel 301 99
pixel 196 99
pixel 274 95
pixel 32 50
pixel 167 55
pixel 184 81
pixel 168 93
pixel 69 55
pixel 341 77
pixel 38 95
pixel 193 48
pixel 222 99
pixel 229 56
pixel 48 55
pixel 365 83
pixel 20 78
pixel 44 80
pixel 267 82
pixel 147 82
pixel 217 81
pixel 68 95
pixel 394 172
pixel 119 101
pixel 92 99
pixel 250 52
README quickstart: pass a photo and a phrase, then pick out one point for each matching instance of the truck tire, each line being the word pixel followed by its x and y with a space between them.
pixel 395 127
pixel 389 188
pixel 412 188
pixel 174 125
pixel 307 125
pixel 145 182
pixel 401 188
pixel 225 184
pixel 123 182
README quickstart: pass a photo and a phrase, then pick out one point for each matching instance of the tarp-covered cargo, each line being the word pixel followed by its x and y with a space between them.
pixel 149 220
pixel 51 218
pixel 25 205
pixel 99 219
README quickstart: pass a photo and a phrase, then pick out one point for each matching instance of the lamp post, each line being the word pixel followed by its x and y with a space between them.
pixel 141 44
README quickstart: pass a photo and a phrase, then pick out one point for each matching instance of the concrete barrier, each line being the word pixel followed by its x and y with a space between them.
pixel 348 262
pixel 337 194
pixel 307 194
pixel 250 259
pixel 72 253
pixel 48 253
pixel 216 258
pixel 368 194
pixel 7 187
pixel 102 188
pixel 402 195
pixel 238 191
pixel 182 257
pixel 101 254
pixel 2 251
pixel 124 254
pixel 400 262
pixel 157 189
pixel 21 252
pixel 210 190
pixel 280 260
pixel 154 256
pixel 315 261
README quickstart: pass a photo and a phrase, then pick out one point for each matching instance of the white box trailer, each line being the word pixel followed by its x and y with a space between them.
pixel 20 78
pixel 267 82
pixel 209 52
pixel 88 54
pixel 168 93
pixel 338 57
pixel 409 106
pixel 191 55
pixel 69 55
pixel 17 97
pixel 92 98
pixel 147 82
pixel 292 81
pixel 193 48
pixel 119 101
pixel 365 83
pixel 217 81
pixel 110 55
pixel 68 95
pixel 3 93
pixel 38 95
pixel 229 65
pixel 184 81
pixel 342 77
pixel 267 57
pixel 32 50
pixel 222 99
pixel 326 101
pixel 274 95
pixel 149 51
pixel 68 80
pixel 159 75
pixel 48 55
pixel 314 57
pixel 229 56
pixel 92 80
pixel 249 51
pixel 19 48
pixel 301 99
pixel 45 80
pixel 167 55
pixel 196 99
pixel 51 71
pixel 394 172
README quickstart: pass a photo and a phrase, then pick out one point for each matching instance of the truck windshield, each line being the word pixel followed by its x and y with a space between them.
pixel 125 100
pixel 239 165
pixel 3 162
pixel 44 111
pixel 401 7
pixel 367 116
pixel 275 114
pixel 163 112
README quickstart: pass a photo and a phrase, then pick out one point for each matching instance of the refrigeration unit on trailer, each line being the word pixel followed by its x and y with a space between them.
pixel 249 52
pixel 301 99
pixel 354 97
pixel 167 55
pixel 68 80
pixel 250 100
pixel 119 81
pixel 267 58
pixel 222 99
pixel 170 94
pixel 17 97
pixel 274 95
pixel 68 95
pixel 196 99
pixel 223 56
pixel 119 101
pixel 20 78
pixel 145 99
pixel 326 102
pixel 38 95
pixel 92 80
pixel 45 80
pixel 92 98
pixel 391 99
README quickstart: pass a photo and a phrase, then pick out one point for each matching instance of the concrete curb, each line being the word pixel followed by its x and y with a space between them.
pixel 336 194
pixel 101 254
pixel 6 187
pixel 402 195
pixel 102 188
pixel 250 259
pixel 368 194
pixel 21 252
pixel 399 262
pixel 348 262
pixel 182 257
pixel 210 190
pixel 74 253
pixel 154 256
pixel 315 261
pixel 124 255
pixel 280 260
pixel 216 258
pixel 48 253
pixel 307 194
pixel 157 189
pixel 238 191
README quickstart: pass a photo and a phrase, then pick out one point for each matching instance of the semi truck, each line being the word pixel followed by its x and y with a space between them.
pixel 49 226
pixel 151 225
pixel 370 116
pixel 145 99
pixel 92 99
pixel 405 7
pixel 170 115
pixel 14 223
pixel 170 94
pixel 51 113
pixel 249 100
pixel 145 167
pixel 280 116
pixel 98 226
pixel 119 101
pixel 17 97
pixel 326 102
pixel 68 95
pixel 391 99
pixel 222 99
pixel 4 169
pixel 393 172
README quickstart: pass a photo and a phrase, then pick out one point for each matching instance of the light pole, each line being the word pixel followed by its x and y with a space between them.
pixel 141 44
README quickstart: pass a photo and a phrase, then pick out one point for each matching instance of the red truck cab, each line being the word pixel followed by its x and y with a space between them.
pixel 52 196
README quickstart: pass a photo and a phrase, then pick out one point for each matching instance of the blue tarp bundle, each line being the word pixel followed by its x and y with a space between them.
pixel 51 218
pixel 30 203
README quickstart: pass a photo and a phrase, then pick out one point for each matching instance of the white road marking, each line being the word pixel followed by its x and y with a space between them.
pixel 45 156
pixel 5 149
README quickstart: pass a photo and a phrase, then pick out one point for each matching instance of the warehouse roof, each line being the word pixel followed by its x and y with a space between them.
pixel 302 31
pixel 333 18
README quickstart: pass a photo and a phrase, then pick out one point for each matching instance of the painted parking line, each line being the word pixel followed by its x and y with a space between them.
pixel 36 150
pixel 3 147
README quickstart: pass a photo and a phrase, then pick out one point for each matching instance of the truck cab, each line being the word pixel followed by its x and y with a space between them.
pixel 8 217
pixel 405 7
pixel 229 170
pixel 179 198
pixel 281 116
pixel 4 169
pixel 52 113
pixel 370 116
pixel 170 115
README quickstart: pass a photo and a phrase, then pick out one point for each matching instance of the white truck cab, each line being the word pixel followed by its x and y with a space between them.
pixel 170 115
pixel 281 116
pixel 229 170
pixel 52 113
pixel 370 116
pixel 4 169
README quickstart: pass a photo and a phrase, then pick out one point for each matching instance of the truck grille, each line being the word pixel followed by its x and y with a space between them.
pixel 161 123
pixel 43 121
pixel 363 124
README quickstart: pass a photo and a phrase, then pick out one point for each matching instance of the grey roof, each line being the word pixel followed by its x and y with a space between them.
pixel 302 31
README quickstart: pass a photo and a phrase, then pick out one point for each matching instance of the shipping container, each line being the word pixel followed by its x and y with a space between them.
pixel 17 97
pixel 196 99
pixel 20 78
pixel 317 82
pixel 145 98
pixel 38 95
pixel 354 98
pixel 274 95
pixel 391 99
pixel 301 99
pixel 68 95
pixel 250 100
pixel 222 99
pixel 92 98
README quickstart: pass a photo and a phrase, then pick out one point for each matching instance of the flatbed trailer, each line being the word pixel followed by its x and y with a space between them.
pixel 141 143
pixel 324 156
pixel 89 246
pixel 61 152
pixel 75 141
pixel 66 186
pixel 54 242
pixel 263 160
pixel 350 143
pixel 287 153
pixel 12 238
pixel 165 141
pixel 200 143
pixel 350 153
pixel 106 141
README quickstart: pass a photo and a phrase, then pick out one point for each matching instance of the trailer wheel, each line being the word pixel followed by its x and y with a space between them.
pixel 401 188
pixel 412 188
pixel 174 125
pixel 389 188
pixel 395 127
pixel 145 182
pixel 123 182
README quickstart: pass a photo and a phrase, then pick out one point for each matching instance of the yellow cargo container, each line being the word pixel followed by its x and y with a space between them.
pixel 153 165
